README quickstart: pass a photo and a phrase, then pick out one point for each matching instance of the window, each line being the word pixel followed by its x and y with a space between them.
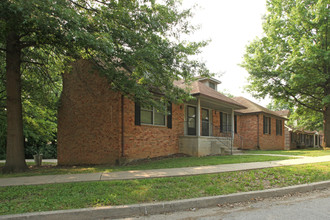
pixel 279 127
pixel 267 125
pixel 225 122
pixel 212 85
pixel 191 118
pixel 235 124
pixel 294 137
pixel 152 116
pixel 205 122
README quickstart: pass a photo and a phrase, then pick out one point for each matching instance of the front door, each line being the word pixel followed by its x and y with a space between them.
pixel 205 122
pixel 191 120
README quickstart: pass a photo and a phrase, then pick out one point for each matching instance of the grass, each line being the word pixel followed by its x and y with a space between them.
pixel 310 152
pixel 21 199
pixel 147 164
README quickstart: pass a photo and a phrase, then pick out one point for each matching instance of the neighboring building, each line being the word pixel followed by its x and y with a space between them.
pixel 97 125
pixel 258 127
pixel 298 138
pixel 303 138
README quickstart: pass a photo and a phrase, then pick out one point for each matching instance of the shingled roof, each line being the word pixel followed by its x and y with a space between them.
pixel 284 113
pixel 254 108
pixel 199 88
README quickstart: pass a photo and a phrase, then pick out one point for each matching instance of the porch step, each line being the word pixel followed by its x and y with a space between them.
pixel 235 151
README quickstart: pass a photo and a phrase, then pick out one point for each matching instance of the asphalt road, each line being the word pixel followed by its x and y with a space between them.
pixel 301 206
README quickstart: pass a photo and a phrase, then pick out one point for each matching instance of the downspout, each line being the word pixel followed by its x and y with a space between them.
pixel 258 146
pixel 122 126
pixel 232 130
pixel 198 128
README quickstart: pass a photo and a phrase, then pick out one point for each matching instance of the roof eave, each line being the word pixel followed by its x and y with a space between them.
pixel 234 106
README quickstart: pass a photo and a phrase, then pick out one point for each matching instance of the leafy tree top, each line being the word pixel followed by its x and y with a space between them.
pixel 135 44
pixel 291 61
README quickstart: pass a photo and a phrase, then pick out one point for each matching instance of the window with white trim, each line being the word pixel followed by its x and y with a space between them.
pixel 151 116
pixel 225 122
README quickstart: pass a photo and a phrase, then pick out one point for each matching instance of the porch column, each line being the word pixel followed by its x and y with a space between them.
pixel 314 138
pixel 198 129
pixel 232 129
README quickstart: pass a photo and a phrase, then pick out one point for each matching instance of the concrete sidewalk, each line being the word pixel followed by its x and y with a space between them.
pixel 139 174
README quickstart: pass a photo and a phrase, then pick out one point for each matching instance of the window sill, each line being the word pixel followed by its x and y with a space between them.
pixel 157 126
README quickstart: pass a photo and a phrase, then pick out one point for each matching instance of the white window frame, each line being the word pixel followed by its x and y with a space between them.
pixel 226 127
pixel 154 111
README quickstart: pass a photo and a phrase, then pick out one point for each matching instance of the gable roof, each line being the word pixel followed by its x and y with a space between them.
pixel 254 108
pixel 199 88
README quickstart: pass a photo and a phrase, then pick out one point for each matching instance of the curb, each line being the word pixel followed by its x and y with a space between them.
pixel 165 207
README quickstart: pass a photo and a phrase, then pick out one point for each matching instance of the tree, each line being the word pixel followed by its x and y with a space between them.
pixel 134 43
pixel 277 105
pixel 291 62
pixel 39 106
pixel 306 119
pixel 301 118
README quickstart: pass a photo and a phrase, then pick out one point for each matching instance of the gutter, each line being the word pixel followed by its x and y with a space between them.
pixel 122 126
pixel 258 144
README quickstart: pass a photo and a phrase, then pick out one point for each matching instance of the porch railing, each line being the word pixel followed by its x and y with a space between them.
pixel 223 133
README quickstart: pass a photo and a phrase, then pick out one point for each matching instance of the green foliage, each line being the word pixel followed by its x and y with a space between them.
pixel 41 87
pixel 136 44
pixel 299 118
pixel 278 105
pixel 291 62
pixel 306 119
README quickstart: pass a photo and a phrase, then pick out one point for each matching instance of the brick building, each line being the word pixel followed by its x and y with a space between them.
pixel 298 137
pixel 258 127
pixel 97 125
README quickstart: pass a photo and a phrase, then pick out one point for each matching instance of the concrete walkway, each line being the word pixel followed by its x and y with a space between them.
pixel 31 160
pixel 139 174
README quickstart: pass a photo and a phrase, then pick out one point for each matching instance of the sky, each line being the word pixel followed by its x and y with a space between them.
pixel 230 25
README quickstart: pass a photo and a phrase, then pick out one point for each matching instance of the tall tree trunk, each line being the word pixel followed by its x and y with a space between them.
pixel 15 158
pixel 326 125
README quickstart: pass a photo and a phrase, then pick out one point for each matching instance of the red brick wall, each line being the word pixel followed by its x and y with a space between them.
pixel 89 119
pixel 90 123
pixel 216 123
pixel 238 140
pixel 142 141
pixel 271 141
pixel 248 130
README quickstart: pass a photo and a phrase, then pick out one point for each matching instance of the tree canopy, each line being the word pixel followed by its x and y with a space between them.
pixel 135 44
pixel 291 61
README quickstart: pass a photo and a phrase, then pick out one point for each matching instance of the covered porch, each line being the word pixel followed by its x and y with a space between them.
pixel 209 125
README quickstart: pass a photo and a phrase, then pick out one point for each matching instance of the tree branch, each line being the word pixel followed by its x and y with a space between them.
pixel 28 44
pixel 3 49
pixel 32 62
pixel 290 93
pixel 81 6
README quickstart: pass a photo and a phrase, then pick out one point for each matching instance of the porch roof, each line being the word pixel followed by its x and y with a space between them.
pixel 198 88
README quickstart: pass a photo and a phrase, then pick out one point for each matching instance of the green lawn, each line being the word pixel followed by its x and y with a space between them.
pixel 310 152
pixel 21 199
pixel 146 165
